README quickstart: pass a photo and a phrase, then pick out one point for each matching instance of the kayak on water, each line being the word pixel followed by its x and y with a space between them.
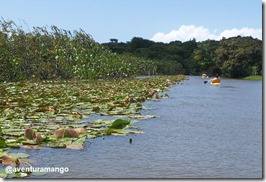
pixel 215 83
pixel 204 75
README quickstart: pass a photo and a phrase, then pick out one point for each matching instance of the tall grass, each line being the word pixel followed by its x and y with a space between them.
pixel 53 53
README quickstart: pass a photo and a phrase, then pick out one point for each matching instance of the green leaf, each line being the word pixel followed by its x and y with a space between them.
pixel 17 175
pixel 19 155
pixel 3 174
pixel 2 142
pixel 2 153
pixel 120 123
pixel 142 116
pixel 77 144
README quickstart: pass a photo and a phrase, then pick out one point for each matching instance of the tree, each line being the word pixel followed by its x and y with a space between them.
pixel 237 55
pixel 205 58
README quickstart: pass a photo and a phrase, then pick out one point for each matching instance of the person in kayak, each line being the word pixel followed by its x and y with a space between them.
pixel 216 79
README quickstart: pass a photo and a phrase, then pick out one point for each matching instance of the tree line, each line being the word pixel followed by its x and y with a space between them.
pixel 235 57
pixel 47 53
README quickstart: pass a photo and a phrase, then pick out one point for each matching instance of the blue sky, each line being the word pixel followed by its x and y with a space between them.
pixel 158 20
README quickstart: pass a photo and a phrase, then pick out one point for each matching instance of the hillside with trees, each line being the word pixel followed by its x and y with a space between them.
pixel 234 57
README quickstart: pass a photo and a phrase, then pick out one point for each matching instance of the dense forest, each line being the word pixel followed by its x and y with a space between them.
pixel 235 57
pixel 52 53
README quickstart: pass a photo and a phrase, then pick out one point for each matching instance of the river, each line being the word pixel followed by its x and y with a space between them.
pixel 202 131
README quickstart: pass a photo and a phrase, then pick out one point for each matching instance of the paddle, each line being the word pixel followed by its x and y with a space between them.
pixel 206 81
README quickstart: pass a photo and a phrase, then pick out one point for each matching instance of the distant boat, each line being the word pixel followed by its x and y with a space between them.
pixel 204 75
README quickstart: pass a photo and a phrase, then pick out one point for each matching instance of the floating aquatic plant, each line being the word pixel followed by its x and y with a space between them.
pixel 57 114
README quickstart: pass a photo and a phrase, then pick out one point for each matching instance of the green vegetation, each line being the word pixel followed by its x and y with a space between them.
pixel 49 53
pixel 34 115
pixel 235 57
pixel 254 77
pixel 52 53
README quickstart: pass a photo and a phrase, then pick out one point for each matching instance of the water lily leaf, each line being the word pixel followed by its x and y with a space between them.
pixel 120 123
pixel 52 127
pixel 36 147
pixel 115 132
pixel 143 116
pixel 14 145
pixel 33 117
pixel 2 153
pixel 59 118
pixel 17 175
pixel 91 136
pixel 2 142
pixel 13 133
pixel 70 118
pixel 77 115
pixel 96 109
pixel 80 130
pixel 108 131
pixel 38 173
pixel 3 174
pixel 29 142
pixel 56 145
pixel 77 144
pixel 12 140
pixel 19 155
pixel 135 132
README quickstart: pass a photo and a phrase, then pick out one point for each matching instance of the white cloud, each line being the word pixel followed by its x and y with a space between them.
pixel 255 33
pixel 188 32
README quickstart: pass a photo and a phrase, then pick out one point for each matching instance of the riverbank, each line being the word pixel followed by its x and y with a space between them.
pixel 254 77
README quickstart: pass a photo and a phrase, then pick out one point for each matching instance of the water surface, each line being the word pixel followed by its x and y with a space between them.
pixel 202 131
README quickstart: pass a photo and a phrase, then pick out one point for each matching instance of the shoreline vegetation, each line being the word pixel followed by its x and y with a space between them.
pixel 253 77
pixel 51 53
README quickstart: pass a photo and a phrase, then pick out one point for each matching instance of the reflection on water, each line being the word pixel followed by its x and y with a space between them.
pixel 202 131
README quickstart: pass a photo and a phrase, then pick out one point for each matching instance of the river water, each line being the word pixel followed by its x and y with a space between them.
pixel 202 131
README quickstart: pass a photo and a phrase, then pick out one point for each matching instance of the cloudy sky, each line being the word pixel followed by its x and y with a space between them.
pixel 157 20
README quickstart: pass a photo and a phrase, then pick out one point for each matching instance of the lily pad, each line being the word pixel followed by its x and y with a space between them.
pixel 14 145
pixel 19 155
pixel 143 116
pixel 17 175
pixel 115 132
pixel 3 174
pixel 14 133
pixel 49 106
pixel 77 144
pixel 2 153
pixel 56 145
pixel 2 142
pixel 120 123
